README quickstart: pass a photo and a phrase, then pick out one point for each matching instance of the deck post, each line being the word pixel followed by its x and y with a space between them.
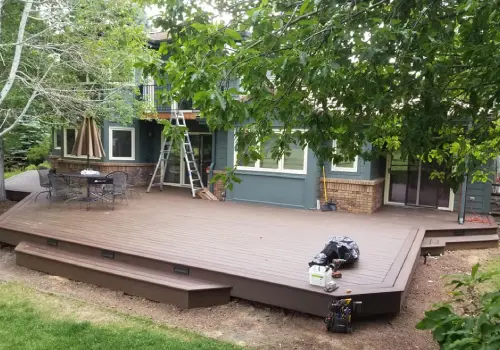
pixel 463 197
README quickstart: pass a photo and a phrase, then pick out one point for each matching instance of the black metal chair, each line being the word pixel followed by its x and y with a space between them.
pixel 43 176
pixel 132 181
pixel 61 189
pixel 118 188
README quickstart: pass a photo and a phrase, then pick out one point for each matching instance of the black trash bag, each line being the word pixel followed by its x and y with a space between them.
pixel 339 247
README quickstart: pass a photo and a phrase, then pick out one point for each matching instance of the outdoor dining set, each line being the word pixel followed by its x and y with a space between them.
pixel 67 187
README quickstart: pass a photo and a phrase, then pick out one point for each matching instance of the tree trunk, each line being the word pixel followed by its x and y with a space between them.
pixel 3 195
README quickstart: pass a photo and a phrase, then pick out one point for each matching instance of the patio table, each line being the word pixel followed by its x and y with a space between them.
pixel 91 179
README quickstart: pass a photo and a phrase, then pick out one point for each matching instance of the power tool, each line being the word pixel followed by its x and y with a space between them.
pixel 339 320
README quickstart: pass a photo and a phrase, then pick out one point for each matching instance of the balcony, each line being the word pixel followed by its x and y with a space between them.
pixel 153 93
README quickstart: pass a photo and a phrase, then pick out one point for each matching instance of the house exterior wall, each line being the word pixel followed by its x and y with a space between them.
pixel 360 191
pixel 481 191
pixel 221 148
pixel 283 189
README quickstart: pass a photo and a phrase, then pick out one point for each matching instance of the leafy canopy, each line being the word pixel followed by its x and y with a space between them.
pixel 61 59
pixel 419 76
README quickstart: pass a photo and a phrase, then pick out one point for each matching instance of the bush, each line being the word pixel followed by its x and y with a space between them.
pixel 472 319
pixel 39 152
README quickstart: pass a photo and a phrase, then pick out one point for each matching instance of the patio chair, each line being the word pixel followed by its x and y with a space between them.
pixel 133 181
pixel 61 189
pixel 118 188
pixel 43 176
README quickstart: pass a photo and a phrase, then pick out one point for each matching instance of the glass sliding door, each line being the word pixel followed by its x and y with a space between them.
pixel 410 183
pixel 202 149
pixel 173 171
pixel 398 179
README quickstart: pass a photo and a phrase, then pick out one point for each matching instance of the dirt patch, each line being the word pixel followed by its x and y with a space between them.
pixel 6 205
pixel 246 324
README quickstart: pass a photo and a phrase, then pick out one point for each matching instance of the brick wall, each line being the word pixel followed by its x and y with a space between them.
pixel 357 196
pixel 219 187
pixel 139 173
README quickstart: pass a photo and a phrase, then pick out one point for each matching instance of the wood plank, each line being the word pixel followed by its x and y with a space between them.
pixel 257 247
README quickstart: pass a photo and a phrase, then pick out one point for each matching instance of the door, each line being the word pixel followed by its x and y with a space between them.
pixel 202 149
pixel 397 174
pixel 410 183
pixel 173 170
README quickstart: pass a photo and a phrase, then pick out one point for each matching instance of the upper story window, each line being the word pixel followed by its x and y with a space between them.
pixel 121 143
pixel 295 163
pixel 345 166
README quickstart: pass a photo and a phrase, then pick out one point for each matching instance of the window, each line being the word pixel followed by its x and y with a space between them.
pixel 295 163
pixel 69 141
pixel 346 166
pixel 121 143
pixel 57 139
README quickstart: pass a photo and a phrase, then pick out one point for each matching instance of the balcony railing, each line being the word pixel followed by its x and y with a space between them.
pixel 153 93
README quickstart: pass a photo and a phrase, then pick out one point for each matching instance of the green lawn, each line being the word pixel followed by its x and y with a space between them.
pixel 33 320
pixel 8 174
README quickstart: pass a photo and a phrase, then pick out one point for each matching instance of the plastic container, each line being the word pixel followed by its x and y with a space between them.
pixel 320 275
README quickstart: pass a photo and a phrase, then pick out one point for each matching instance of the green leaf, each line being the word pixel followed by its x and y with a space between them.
pixel 304 6
pixel 199 27
pixel 475 268
pixel 233 34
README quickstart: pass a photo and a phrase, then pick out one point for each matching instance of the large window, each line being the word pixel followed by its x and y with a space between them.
pixel 121 143
pixel 57 138
pixel 347 166
pixel 295 163
pixel 69 141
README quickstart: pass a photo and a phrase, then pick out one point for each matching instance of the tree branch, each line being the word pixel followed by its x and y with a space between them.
pixel 17 54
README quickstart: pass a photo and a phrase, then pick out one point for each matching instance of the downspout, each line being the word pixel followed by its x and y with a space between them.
pixel 212 165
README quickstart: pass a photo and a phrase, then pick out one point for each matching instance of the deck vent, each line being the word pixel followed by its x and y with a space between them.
pixel 183 270
pixel 108 254
pixel 459 232
pixel 53 242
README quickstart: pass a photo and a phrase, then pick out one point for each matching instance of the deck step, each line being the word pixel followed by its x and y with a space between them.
pixel 174 288
pixel 437 245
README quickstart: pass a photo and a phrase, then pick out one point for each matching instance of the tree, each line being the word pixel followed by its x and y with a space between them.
pixel 63 59
pixel 419 76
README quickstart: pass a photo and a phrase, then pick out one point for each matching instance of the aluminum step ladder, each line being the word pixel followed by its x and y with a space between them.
pixel 177 119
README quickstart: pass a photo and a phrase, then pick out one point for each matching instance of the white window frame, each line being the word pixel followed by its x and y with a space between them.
pixel 281 162
pixel 56 136
pixel 336 168
pixel 110 136
pixel 65 144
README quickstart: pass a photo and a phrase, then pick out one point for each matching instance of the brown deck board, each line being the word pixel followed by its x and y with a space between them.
pixel 260 243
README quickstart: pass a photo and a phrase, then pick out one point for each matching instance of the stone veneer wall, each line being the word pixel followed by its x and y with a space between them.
pixel 76 165
pixel 357 196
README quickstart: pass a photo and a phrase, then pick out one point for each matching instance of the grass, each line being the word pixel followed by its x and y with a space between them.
pixel 33 320
pixel 11 173
pixel 17 171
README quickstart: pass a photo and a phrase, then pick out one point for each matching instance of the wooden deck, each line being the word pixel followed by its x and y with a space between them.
pixel 260 252
pixel 21 185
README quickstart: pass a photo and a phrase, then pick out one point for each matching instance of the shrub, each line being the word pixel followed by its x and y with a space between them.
pixel 472 319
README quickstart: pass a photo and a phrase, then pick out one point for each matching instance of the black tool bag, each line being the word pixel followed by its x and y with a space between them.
pixel 338 247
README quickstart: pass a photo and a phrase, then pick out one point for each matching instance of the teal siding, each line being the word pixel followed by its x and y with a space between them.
pixel 481 191
pixel 287 190
pixel 221 150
